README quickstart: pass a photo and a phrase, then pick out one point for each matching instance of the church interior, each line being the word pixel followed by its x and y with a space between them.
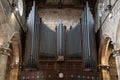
pixel 59 40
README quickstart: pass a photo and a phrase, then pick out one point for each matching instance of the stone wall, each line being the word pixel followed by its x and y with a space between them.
pixel 109 26
pixel 13 22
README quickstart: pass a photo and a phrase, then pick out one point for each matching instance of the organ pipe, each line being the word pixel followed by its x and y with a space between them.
pixel 44 43
pixel 60 40
pixel 32 39
pixel 88 38
pixel 48 42
pixel 73 42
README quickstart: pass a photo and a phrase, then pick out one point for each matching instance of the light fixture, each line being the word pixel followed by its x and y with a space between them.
pixel 17 61
pixel 14 6
pixel 110 14
pixel 109 9
pixel 61 75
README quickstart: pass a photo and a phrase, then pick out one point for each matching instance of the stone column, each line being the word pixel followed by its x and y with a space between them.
pixel 105 71
pixel 15 63
pixel 116 54
pixel 14 72
pixel 4 53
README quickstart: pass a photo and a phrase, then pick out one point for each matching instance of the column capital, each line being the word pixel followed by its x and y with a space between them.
pixel 104 67
pixel 116 53
pixel 5 51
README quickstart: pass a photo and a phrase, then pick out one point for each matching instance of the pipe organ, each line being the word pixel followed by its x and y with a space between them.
pixel 76 45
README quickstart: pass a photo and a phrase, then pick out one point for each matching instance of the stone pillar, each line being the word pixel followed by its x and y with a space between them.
pixel 105 75
pixel 105 71
pixel 116 54
pixel 4 53
pixel 14 72
pixel 15 63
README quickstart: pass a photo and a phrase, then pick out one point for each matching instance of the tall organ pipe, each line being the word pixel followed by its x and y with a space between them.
pixel 47 39
pixel 32 39
pixel 60 40
pixel 73 43
pixel 89 49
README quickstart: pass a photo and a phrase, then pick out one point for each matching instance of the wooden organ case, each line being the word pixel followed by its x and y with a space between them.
pixel 61 54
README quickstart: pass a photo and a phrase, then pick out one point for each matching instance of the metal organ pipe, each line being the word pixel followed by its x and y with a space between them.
pixel 88 44
pixel 73 42
pixel 87 27
pixel 60 40
pixel 47 39
pixel 42 43
pixel 32 41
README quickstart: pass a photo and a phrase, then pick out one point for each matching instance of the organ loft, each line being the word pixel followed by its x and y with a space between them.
pixel 59 40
